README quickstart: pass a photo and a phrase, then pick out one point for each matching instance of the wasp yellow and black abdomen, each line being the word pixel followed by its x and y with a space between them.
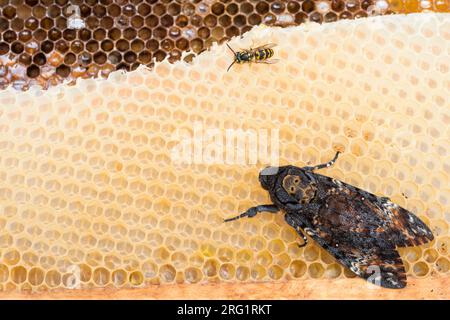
pixel 269 53
pixel 260 54
pixel 263 54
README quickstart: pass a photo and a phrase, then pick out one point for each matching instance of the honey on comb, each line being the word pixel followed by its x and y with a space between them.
pixel 89 189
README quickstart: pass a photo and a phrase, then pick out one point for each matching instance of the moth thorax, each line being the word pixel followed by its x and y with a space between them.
pixel 302 192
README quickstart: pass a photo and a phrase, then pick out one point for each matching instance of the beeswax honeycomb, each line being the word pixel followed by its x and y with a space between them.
pixel 91 195
pixel 40 43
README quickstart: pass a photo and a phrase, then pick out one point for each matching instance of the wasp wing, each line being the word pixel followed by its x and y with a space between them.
pixel 266 46
pixel 271 61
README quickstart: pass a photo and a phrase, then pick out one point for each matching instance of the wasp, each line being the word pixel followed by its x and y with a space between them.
pixel 259 55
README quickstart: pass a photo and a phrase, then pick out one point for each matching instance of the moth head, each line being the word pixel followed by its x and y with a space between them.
pixel 299 187
pixel 268 177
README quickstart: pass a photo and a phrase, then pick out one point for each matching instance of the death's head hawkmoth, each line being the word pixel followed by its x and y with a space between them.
pixel 361 230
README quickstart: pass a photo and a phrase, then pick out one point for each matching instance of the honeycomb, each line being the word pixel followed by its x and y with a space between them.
pixel 92 192
pixel 46 42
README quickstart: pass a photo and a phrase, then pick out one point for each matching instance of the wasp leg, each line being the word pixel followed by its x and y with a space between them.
pixel 254 210
pixel 323 165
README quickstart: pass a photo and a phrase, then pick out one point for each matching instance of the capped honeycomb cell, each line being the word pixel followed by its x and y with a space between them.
pixel 96 191
pixel 166 29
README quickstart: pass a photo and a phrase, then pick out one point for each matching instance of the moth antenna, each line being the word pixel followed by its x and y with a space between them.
pixel 324 165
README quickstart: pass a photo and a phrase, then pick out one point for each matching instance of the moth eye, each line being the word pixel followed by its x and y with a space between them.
pixel 292 189
pixel 296 180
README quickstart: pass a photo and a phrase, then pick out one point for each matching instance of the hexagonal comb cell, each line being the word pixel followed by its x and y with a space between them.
pixel 92 195
pixel 94 38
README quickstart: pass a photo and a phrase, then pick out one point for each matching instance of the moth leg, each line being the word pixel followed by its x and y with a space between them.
pixel 254 210
pixel 323 165
pixel 294 207
pixel 294 224
pixel 301 234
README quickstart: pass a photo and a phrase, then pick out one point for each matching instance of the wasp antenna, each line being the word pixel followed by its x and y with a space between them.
pixel 231 48
pixel 231 65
